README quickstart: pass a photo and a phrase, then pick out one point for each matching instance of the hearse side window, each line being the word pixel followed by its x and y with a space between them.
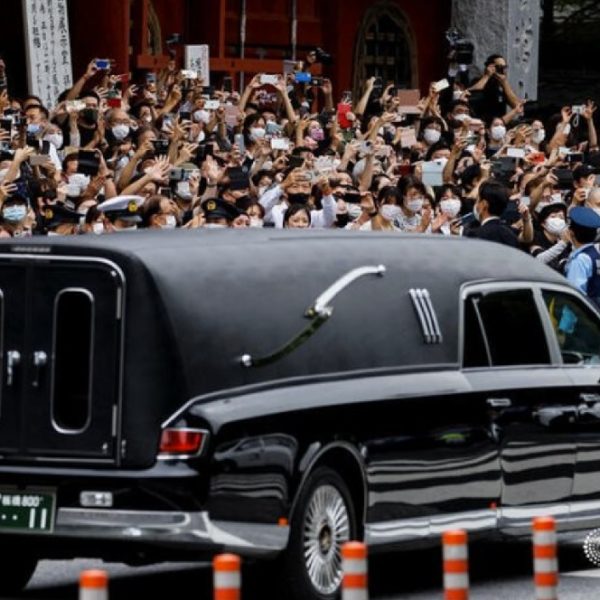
pixel 513 333
pixel 73 330
pixel 577 329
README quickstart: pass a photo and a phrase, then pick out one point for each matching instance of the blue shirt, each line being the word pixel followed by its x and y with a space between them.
pixel 579 269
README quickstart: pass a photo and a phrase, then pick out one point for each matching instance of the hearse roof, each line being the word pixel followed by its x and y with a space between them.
pixel 225 294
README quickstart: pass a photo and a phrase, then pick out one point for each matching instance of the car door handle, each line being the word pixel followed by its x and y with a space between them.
pixel 40 358
pixel 499 402
pixel 13 359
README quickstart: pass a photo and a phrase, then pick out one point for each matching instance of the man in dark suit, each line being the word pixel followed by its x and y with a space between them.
pixel 491 203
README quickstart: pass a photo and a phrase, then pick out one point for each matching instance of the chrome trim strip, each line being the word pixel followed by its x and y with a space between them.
pixel 195 530
pixel 421 299
pixel 414 295
pixel 436 325
pixel 45 257
pixel 90 296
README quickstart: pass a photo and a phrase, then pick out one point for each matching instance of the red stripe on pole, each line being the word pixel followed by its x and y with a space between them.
pixel 226 562
pixel 544 524
pixel 544 551
pixel 93 578
pixel 354 550
pixel 456 566
pixel 227 594
pixel 457 536
pixel 355 580
pixel 456 595
pixel 546 579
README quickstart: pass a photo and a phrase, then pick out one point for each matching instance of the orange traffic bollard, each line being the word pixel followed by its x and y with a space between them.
pixel 456 565
pixel 227 579
pixel 545 563
pixel 93 585
pixel 354 567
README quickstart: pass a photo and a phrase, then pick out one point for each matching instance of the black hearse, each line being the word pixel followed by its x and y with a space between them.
pixel 174 395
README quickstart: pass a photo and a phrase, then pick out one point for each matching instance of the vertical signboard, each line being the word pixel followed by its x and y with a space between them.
pixel 48 48
pixel 197 58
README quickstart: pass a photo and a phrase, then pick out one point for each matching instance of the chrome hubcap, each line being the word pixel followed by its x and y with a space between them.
pixel 326 528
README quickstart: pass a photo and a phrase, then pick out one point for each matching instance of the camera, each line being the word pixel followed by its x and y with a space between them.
pixel 161 147
pixel 460 49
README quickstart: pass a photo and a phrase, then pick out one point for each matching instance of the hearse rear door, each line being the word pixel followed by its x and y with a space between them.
pixel 67 380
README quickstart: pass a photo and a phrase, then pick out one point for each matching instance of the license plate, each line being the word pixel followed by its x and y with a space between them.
pixel 27 511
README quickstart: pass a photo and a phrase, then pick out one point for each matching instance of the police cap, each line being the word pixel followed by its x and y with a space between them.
pixel 215 208
pixel 585 217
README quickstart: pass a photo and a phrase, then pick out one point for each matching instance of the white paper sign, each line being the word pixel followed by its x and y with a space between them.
pixel 197 58
pixel 48 48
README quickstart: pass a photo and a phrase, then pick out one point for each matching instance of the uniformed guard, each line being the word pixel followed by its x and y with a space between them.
pixel 60 220
pixel 583 267
pixel 123 212
pixel 218 213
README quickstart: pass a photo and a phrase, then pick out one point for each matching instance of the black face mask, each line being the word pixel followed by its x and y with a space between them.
pixel 89 115
pixel 342 220
pixel 298 198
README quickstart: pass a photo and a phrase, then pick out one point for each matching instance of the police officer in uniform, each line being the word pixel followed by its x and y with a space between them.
pixel 218 213
pixel 124 212
pixel 583 267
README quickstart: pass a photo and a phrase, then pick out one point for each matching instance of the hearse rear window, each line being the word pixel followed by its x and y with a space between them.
pixel 502 329
pixel 577 330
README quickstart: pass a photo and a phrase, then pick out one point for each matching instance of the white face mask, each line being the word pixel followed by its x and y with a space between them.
pixel 555 225
pixel 214 226
pixel 183 190
pixel 441 161
pixel 170 222
pixel 456 94
pixel 538 136
pixel 257 133
pixel 498 132
pixel 414 205
pixel 120 132
pixel 557 197
pixel 354 210
pixel 256 222
pixel 461 117
pixel 98 228
pixel 389 211
pixel 432 136
pixel 450 206
pixel 201 116
pixel 56 139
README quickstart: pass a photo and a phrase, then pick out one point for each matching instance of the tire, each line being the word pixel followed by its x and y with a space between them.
pixel 16 570
pixel 324 519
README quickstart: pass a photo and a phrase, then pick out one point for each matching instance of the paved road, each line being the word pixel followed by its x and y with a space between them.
pixel 498 575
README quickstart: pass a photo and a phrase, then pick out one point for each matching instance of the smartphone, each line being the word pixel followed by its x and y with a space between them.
pixel 228 84
pixel 114 101
pixel 166 192
pixel 38 159
pixel 280 144
pixel 269 79
pixel 150 77
pixel 316 81
pixel 575 157
pixel 203 151
pixel 185 116
pixel 161 147
pixel 208 90
pixel 177 174
pixel 352 197
pixel 212 104
pixel 189 74
pixel 342 115
pixel 565 178
pixel 238 178
pixel 102 63
pixel 578 109
pixel 75 105
pixel 239 141
pixel 302 77
pixel 6 124
pixel 440 85
pixel 88 162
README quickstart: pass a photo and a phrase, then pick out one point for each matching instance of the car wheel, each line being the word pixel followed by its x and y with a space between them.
pixel 323 521
pixel 16 569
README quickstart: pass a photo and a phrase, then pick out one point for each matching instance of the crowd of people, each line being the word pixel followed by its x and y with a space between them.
pixel 470 159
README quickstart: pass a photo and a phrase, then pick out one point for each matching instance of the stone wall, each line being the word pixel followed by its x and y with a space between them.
pixel 507 27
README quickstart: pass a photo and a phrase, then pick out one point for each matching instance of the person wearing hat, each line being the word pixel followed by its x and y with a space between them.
pixel 60 220
pixel 218 213
pixel 551 242
pixel 582 269
pixel 123 212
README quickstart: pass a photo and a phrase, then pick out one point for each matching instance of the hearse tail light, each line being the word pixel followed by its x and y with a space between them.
pixel 182 442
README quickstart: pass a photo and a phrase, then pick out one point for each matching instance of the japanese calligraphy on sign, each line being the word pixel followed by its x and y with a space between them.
pixel 48 48
pixel 197 58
